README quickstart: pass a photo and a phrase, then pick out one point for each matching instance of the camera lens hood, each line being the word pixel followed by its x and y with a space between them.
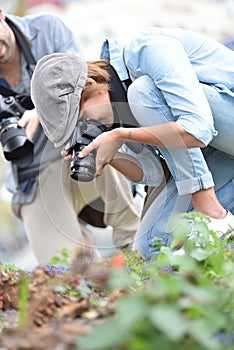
pixel 17 148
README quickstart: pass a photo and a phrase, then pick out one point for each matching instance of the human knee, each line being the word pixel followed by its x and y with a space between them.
pixel 139 88
pixel 147 102
pixel 149 243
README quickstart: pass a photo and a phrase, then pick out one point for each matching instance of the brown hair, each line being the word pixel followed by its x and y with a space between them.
pixel 97 71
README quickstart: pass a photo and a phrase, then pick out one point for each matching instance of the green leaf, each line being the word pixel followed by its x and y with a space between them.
pixel 66 253
pixel 64 263
pixel 169 320
pixel 165 257
pixel 200 254
pixel 119 279
pixel 23 302
pixel 157 242
pixel 54 260
pixel 130 310
pixel 183 229
pixel 199 331
pixel 106 335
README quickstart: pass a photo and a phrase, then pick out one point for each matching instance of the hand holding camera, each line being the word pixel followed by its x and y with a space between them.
pixel 87 129
pixel 30 122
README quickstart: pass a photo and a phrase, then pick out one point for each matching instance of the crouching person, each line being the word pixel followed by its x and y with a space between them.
pixel 88 86
pixel 56 96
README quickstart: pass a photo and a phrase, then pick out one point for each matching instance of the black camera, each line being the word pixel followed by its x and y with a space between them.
pixel 87 129
pixel 17 148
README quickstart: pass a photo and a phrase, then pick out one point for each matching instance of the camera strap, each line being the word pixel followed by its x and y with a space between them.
pixel 6 92
pixel 122 113
pixel 24 45
pixel 118 93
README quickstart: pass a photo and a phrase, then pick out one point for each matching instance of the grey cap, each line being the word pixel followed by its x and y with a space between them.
pixel 56 87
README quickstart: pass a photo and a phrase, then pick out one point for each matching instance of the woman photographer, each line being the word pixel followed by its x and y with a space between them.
pixel 177 112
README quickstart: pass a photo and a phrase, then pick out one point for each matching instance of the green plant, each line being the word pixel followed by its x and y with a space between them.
pixel 64 258
pixel 188 304
pixel 23 301
pixel 9 267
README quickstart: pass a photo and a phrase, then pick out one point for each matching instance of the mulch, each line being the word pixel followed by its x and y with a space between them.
pixel 49 309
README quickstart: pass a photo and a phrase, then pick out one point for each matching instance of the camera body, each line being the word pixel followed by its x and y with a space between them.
pixel 87 129
pixel 17 148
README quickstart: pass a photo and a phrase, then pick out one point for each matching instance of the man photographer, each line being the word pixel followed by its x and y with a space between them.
pixel 44 196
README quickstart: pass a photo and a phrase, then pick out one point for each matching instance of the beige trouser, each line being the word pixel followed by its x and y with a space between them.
pixel 51 220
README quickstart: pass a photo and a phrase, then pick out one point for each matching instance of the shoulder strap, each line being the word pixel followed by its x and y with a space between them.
pixel 5 91
pixel 118 94
pixel 122 112
pixel 24 45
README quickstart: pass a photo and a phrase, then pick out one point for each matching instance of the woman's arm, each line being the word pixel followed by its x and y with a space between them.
pixel 169 135
pixel 128 166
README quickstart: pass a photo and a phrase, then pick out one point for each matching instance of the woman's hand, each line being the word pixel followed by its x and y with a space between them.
pixel 29 121
pixel 65 153
pixel 106 145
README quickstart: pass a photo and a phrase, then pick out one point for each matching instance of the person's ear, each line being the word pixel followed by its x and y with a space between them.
pixel 90 81
pixel 2 16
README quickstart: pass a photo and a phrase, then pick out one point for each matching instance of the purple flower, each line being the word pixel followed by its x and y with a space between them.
pixel 144 269
pixel 168 269
pixel 219 336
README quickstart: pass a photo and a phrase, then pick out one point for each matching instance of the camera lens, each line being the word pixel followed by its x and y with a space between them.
pixel 17 148
pixel 83 169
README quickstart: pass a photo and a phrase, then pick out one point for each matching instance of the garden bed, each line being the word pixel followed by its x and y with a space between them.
pixel 171 301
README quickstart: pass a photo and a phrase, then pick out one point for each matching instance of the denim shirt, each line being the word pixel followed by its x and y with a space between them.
pixel 177 60
pixel 212 63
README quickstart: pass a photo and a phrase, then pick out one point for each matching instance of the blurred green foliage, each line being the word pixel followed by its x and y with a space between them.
pixel 186 302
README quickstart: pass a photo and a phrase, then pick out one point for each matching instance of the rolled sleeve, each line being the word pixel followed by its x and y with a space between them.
pixel 197 127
